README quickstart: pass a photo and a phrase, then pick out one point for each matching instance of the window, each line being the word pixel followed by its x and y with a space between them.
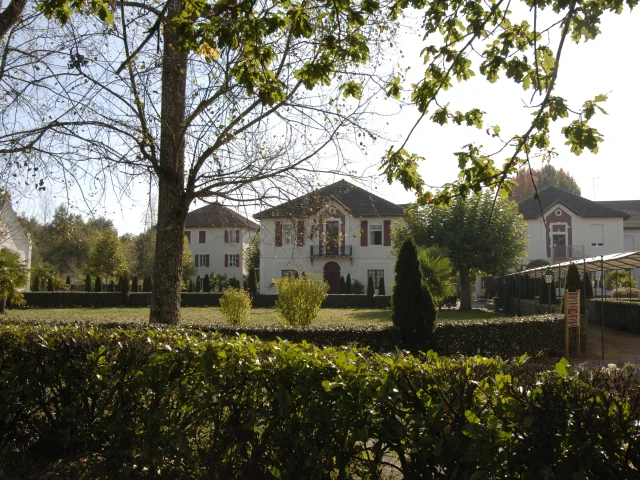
pixel 201 261
pixel 187 234
pixel 232 260
pixel 376 275
pixel 232 236
pixel 202 236
pixel 287 235
pixel 289 273
pixel 375 234
pixel 629 243
pixel 597 235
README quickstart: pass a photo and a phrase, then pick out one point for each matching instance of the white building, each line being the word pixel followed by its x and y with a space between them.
pixel 335 231
pixel 13 236
pixel 573 226
pixel 631 227
pixel 218 237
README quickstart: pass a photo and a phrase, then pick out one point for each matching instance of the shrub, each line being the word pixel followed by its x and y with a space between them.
pixel 13 275
pixel 357 287
pixel 371 290
pixel 412 308
pixel 206 285
pixel 349 284
pixel 234 283
pixel 68 282
pixel 235 305
pixel 620 278
pixel 98 285
pixel 198 286
pixel 537 263
pixel 625 292
pixel 252 283
pixel 190 288
pixel 125 287
pixel 50 284
pixel 343 285
pixel 344 411
pixel 135 284
pixel 299 299
pixel 88 284
pixel 381 290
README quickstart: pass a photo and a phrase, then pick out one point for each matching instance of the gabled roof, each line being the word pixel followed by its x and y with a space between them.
pixel 548 196
pixel 631 207
pixel 217 215
pixel 359 202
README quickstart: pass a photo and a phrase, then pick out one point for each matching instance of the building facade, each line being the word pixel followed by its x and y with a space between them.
pixel 333 232
pixel 218 238
pixel 13 236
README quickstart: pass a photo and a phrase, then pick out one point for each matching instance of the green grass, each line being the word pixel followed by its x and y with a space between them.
pixel 213 316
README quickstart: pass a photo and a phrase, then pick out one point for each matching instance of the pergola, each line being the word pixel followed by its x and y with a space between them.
pixel 602 263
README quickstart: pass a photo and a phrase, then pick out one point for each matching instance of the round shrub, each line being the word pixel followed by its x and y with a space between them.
pixel 625 292
pixel 235 305
pixel 299 299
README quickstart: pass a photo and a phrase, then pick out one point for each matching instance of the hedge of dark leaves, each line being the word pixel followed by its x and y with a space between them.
pixel 81 402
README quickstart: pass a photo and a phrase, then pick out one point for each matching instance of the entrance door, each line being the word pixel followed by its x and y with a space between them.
pixel 560 246
pixel 332 237
pixel 332 276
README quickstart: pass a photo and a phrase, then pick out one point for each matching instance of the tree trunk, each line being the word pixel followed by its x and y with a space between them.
pixel 172 201
pixel 465 288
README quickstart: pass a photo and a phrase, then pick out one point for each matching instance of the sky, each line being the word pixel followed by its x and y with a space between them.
pixel 607 65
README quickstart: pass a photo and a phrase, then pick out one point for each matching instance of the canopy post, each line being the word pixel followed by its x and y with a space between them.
pixel 602 302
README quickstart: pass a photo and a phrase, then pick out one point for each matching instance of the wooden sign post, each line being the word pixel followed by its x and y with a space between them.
pixel 571 319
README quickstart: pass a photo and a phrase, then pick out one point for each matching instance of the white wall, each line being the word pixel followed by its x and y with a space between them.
pixel 581 235
pixel 13 237
pixel 216 248
pixel 273 260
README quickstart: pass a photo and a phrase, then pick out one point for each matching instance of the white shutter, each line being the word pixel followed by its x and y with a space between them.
pixel 597 235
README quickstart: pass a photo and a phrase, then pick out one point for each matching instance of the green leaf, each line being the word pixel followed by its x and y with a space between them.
pixel 561 367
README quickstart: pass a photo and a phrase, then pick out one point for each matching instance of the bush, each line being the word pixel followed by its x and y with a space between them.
pixel 537 263
pixel 349 284
pixel 381 290
pixel 235 305
pixel 191 288
pixel 206 285
pixel 198 284
pixel 252 282
pixel 135 284
pixel 371 290
pixel 88 284
pixel 343 285
pixel 98 285
pixel 620 278
pixel 357 288
pixel 172 403
pixel 624 316
pixel 625 292
pixel 299 299
pixel 412 308
pixel 50 284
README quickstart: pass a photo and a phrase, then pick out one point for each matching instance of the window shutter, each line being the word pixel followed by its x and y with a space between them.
pixel 237 236
pixel 238 261
pixel 387 233
pixel 196 260
pixel 226 236
pixel 300 233
pixel 206 260
pixel 364 233
pixel 278 234
pixel 226 259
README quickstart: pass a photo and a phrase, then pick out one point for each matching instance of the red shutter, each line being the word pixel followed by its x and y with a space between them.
pixel 202 236
pixel 196 260
pixel 300 233
pixel 226 259
pixel 238 261
pixel 387 233
pixel 226 236
pixel 206 260
pixel 237 236
pixel 364 233
pixel 188 234
pixel 278 234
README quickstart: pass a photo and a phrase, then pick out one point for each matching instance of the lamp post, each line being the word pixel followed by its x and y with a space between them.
pixel 548 279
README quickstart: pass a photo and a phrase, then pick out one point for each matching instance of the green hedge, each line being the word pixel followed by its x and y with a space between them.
pixel 170 403
pixel 506 337
pixel 189 299
pixel 618 315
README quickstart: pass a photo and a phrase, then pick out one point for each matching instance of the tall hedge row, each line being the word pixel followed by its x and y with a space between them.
pixel 177 404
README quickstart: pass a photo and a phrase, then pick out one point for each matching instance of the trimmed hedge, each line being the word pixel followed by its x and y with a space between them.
pixel 618 315
pixel 171 403
pixel 189 299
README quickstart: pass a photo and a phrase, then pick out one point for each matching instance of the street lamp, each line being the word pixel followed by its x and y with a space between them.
pixel 548 279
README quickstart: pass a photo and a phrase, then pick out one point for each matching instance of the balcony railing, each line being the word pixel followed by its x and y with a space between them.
pixel 559 252
pixel 330 251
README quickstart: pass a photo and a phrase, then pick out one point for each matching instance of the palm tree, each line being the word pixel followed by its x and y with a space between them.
pixel 437 271
pixel 13 275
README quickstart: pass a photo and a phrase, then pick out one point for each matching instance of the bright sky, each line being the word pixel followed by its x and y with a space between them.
pixel 607 65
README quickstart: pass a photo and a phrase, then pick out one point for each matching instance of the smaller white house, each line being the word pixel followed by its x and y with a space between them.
pixel 12 235
pixel 217 238
pixel 335 231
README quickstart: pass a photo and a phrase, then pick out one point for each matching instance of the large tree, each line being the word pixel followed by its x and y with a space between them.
pixel 221 98
pixel 529 181
pixel 482 234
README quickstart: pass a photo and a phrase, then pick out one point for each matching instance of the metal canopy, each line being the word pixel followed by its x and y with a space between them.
pixel 615 261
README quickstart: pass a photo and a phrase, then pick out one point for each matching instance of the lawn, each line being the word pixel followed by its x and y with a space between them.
pixel 213 316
